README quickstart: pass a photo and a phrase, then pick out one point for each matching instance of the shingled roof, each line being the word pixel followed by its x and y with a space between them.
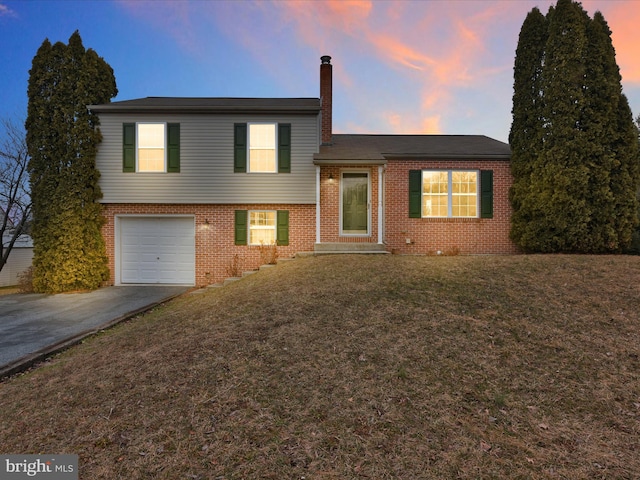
pixel 380 148
pixel 211 105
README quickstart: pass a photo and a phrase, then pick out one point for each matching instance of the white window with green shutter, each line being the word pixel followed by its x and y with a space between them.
pixel 451 194
pixel 261 227
pixel 262 148
pixel 151 147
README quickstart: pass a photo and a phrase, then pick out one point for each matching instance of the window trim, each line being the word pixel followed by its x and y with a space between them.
pixel 275 227
pixel 241 227
pixel 164 147
pixel 275 146
pixel 449 172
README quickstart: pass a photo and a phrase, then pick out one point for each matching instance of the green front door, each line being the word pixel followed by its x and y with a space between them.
pixel 355 203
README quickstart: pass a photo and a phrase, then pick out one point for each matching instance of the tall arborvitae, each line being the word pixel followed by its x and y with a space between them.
pixel 525 134
pixel 62 138
pixel 578 193
pixel 602 89
pixel 619 144
pixel 625 175
pixel 560 179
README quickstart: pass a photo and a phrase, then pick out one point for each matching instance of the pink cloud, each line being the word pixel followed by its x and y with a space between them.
pixel 623 20
pixel 395 51
pixel 403 123
pixel 406 36
pixel 440 52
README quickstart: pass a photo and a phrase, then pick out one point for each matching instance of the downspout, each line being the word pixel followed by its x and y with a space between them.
pixel 380 205
pixel 317 203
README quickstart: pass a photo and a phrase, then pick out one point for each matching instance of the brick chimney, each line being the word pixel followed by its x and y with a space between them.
pixel 326 100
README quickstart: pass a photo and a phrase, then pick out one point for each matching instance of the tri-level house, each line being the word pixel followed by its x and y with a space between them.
pixel 195 186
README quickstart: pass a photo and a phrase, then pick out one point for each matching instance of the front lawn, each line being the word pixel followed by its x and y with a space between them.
pixel 345 367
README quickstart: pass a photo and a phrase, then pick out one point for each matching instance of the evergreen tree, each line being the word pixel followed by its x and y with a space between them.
pixel 614 202
pixel 602 87
pixel 62 139
pixel 524 136
pixel 625 175
pixel 577 192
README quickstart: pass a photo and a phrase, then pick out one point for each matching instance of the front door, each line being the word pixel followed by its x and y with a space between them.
pixel 355 203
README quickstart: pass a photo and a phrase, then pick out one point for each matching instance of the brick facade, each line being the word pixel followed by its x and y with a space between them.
pixel 447 235
pixel 326 97
pixel 214 224
pixel 214 243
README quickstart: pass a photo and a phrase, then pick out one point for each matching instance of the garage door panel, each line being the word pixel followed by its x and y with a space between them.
pixel 157 250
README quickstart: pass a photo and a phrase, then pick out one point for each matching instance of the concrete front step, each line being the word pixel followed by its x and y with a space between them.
pixel 337 247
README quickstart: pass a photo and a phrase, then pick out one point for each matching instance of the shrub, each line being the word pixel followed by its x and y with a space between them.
pixel 25 281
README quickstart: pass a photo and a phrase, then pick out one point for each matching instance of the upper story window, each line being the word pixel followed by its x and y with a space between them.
pixel 151 147
pixel 449 193
pixel 262 147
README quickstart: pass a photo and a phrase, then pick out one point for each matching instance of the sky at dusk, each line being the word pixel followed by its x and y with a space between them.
pixel 430 66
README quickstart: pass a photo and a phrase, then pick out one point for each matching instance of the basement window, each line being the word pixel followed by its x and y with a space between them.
pixel 262 227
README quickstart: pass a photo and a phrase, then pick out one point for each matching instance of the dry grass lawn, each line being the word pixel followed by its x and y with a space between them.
pixel 348 367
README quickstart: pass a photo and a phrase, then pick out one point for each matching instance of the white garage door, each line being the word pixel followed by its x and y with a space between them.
pixel 157 250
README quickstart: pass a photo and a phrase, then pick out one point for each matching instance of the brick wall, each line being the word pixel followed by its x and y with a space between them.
pixel 214 226
pixel 216 251
pixel 447 235
pixel 326 97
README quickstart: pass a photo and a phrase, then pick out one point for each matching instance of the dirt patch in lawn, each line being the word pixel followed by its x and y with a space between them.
pixel 357 367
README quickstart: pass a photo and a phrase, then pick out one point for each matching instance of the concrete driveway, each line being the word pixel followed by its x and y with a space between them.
pixel 33 326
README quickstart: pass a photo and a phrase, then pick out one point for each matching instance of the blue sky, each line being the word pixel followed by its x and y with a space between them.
pixel 431 66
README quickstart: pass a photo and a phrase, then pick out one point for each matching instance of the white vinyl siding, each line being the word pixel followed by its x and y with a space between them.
pixel 19 260
pixel 206 163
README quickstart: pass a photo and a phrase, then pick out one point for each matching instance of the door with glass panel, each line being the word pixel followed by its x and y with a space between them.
pixel 355 203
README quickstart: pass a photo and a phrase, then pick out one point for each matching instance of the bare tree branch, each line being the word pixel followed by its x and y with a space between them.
pixel 15 198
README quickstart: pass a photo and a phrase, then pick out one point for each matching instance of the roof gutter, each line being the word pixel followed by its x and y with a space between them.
pixel 446 156
pixel 358 161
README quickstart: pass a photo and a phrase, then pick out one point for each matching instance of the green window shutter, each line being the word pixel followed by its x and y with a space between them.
pixel 284 148
pixel 173 147
pixel 240 148
pixel 241 227
pixel 415 193
pixel 282 227
pixel 486 194
pixel 128 147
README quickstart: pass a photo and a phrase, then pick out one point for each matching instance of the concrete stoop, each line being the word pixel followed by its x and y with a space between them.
pixel 349 248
